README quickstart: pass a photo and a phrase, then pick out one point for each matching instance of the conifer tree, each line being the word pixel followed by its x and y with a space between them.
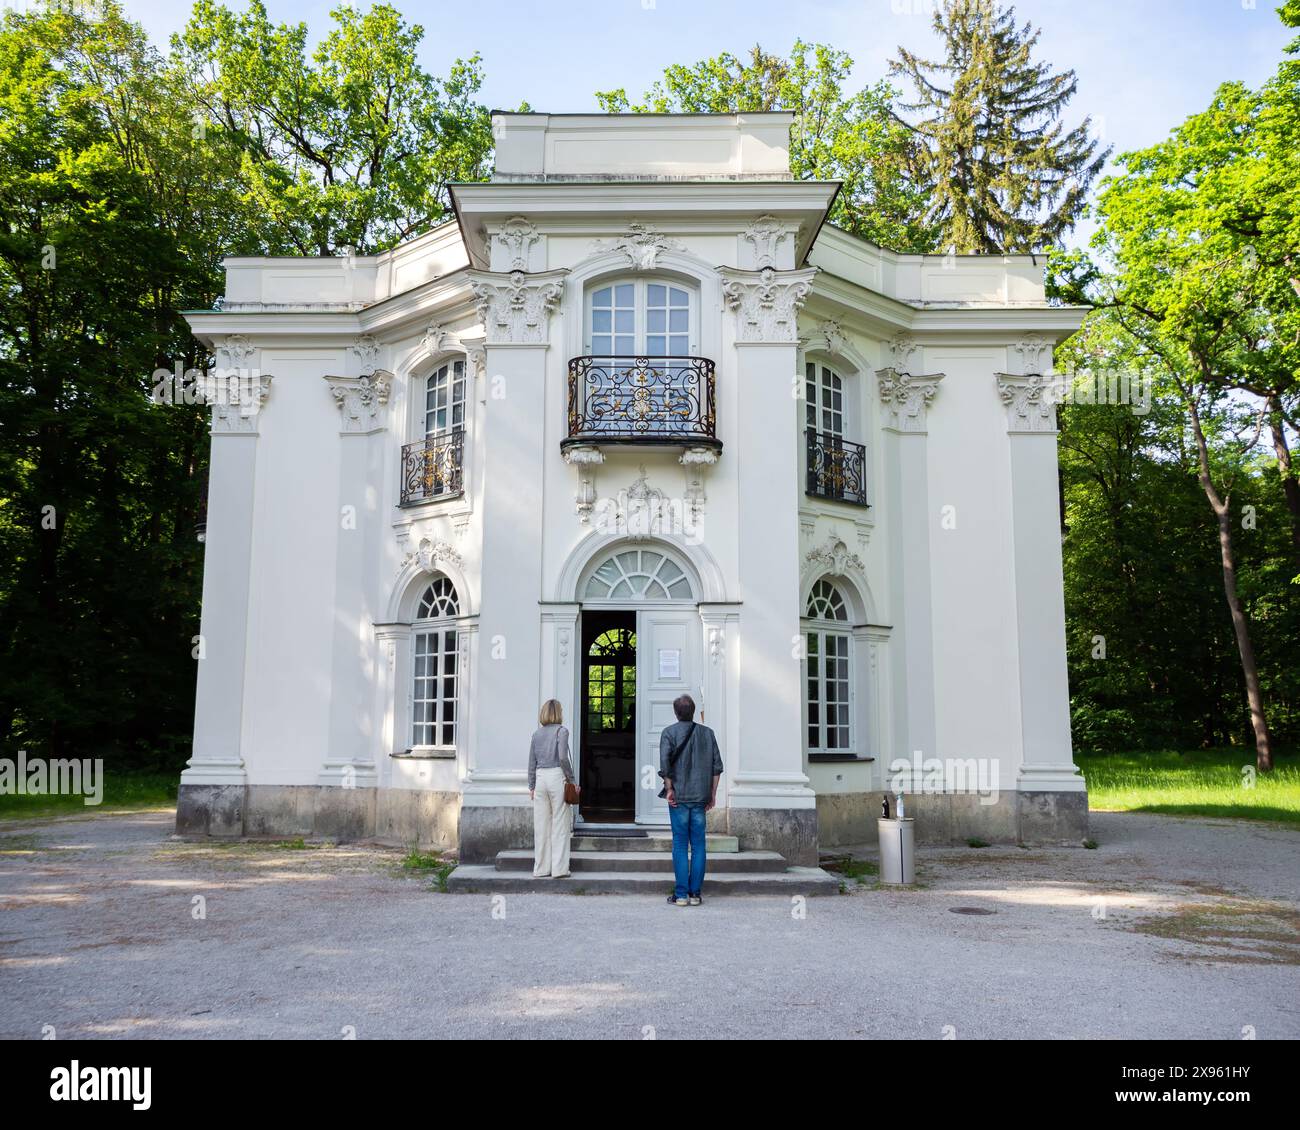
pixel 1007 175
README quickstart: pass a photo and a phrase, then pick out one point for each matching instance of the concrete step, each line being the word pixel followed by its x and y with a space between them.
pixel 484 878
pixel 660 862
pixel 653 840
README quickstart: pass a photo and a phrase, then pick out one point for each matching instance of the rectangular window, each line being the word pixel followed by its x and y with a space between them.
pixel 829 686
pixel 435 682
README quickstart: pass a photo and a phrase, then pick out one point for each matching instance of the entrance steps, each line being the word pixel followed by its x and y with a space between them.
pixel 640 862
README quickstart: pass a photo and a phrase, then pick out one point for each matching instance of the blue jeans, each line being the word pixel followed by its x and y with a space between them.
pixel 688 828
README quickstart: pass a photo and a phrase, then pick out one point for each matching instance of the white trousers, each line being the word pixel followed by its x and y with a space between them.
pixel 552 824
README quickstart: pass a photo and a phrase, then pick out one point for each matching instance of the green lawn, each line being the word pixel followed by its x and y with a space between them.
pixel 1198 783
pixel 121 790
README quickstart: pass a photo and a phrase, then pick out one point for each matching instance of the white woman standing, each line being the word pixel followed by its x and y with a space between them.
pixel 549 770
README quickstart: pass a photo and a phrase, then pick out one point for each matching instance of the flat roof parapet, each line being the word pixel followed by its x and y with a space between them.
pixel 641 147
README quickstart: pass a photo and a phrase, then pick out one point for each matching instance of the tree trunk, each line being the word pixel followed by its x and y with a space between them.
pixel 1290 485
pixel 1240 624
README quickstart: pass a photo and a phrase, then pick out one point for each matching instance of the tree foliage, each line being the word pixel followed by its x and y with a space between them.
pixel 1005 173
pixel 837 135
pixel 350 145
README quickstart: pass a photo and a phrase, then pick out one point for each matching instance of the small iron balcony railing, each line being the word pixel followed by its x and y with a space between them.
pixel 433 467
pixel 836 468
pixel 641 400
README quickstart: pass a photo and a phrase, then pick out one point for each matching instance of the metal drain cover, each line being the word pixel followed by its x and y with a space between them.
pixel 970 910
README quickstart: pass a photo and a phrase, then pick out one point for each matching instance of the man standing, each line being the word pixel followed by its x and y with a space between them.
pixel 691 766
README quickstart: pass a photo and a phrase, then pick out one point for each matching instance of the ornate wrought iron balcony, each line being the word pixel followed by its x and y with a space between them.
pixel 836 468
pixel 641 400
pixel 433 467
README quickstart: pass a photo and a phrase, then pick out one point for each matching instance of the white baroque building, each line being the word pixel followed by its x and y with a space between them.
pixel 638 421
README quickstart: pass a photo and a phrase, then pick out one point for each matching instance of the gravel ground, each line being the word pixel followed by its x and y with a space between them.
pixel 1172 928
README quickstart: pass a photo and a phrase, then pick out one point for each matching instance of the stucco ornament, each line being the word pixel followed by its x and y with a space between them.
pixel 695 459
pixel 430 555
pixel 517 237
pixel 641 245
pixel 717 645
pixel 360 399
pixel 832 336
pixel 237 350
pixel 436 339
pixel 366 351
pixel 834 557
pixel 1035 354
pixel 904 399
pixel 1030 401
pixel 766 302
pixel 515 307
pixel 585 459
pixel 765 235
pixel 903 350
pixel 477 355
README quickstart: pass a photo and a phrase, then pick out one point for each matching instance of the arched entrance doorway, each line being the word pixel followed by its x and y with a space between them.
pixel 640 633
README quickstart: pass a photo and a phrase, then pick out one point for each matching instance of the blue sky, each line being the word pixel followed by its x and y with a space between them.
pixel 1143 65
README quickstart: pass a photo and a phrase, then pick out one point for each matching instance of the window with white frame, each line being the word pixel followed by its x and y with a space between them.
pixel 824 399
pixel 444 399
pixel 829 667
pixel 433 465
pixel 836 466
pixel 638 574
pixel 641 318
pixel 435 667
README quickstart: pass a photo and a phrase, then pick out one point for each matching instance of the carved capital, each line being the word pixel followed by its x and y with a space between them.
pixel 1030 400
pixel 766 302
pixel 360 399
pixel 905 399
pixel 516 307
pixel 236 396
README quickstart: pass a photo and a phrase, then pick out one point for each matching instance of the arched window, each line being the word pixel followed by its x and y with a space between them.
pixel 611 682
pixel 436 667
pixel 639 574
pixel 640 318
pixel 829 671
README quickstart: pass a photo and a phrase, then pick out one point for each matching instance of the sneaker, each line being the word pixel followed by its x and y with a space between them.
pixel 673 900
pixel 694 900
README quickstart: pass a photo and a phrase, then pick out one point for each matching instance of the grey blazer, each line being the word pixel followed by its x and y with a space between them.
pixel 548 749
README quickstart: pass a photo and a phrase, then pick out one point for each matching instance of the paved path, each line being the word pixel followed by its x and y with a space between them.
pixel 1172 928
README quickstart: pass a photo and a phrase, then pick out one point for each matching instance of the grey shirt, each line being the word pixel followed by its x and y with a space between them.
pixel 549 748
pixel 697 764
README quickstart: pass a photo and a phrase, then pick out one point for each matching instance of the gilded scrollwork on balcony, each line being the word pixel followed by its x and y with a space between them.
pixel 433 467
pixel 837 469
pixel 666 400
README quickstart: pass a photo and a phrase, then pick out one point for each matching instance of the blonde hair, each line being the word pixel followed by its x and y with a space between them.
pixel 552 712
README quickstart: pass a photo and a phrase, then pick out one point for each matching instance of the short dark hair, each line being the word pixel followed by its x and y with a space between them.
pixel 684 707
